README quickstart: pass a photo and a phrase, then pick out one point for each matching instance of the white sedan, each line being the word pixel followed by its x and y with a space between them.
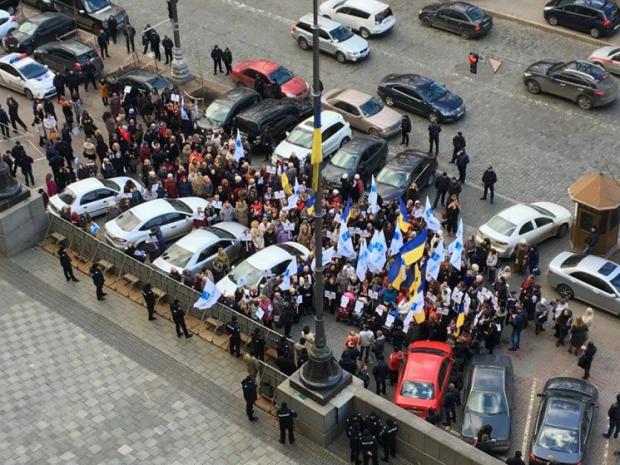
pixel 253 271
pixel 534 223
pixel 7 23
pixel 199 248
pixel 26 76
pixel 91 195
pixel 174 217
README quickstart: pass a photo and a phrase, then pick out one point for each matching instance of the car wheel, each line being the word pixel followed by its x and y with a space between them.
pixel 565 291
pixel 594 32
pixel 303 43
pixel 365 33
pixel 374 132
pixel 28 94
pixel 433 116
pixel 585 103
pixel 532 86
pixel 426 22
pixel 389 101
pixel 562 230
pixel 341 58
pixel 552 20
pixel 344 141
pixel 465 34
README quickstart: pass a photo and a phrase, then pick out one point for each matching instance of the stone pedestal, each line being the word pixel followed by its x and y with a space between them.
pixel 180 69
pixel 22 226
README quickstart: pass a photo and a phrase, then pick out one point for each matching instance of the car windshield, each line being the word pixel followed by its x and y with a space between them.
pixel 559 439
pixel 33 70
pixel 418 390
pixel 111 184
pixel 300 137
pixel 177 256
pixel 615 282
pixel 27 28
pixel 127 221
pixel 344 159
pixel 250 274
pixel 393 177
pixel 281 75
pixel 67 196
pixel 180 206
pixel 341 33
pixel 501 225
pixel 217 112
pixel 475 14
pixel 433 91
pixel 486 403
pixel 371 107
pixel 158 83
pixel 96 5
pixel 610 9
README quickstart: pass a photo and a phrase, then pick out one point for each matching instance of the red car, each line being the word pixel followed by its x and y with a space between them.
pixel 426 376
pixel 246 72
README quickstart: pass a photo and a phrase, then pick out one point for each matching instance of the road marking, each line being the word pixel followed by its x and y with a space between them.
pixel 606 452
pixel 528 421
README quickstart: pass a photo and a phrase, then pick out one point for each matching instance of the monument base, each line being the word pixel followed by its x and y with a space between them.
pixel 22 226
pixel 323 396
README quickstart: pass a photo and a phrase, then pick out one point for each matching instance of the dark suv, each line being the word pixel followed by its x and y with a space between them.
pixel 221 112
pixel 580 81
pixel 92 15
pixel 598 17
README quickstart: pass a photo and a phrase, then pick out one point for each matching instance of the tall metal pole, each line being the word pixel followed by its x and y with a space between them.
pixel 180 70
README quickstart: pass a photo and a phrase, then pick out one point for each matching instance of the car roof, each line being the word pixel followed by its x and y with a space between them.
pixel 232 227
pixel 585 69
pixel 408 159
pixel 593 263
pixel 266 107
pixel 197 239
pixel 592 3
pixel 359 143
pixel 73 46
pixel 4 14
pixel 488 378
pixel 423 362
pixel 138 75
pixel 85 185
pixel 518 213
pixel 352 96
pixel 236 94
pixel 18 60
pixel 272 255
pixel 328 118
pixel 325 23
pixel 148 209
pixel 369 6
pixel 410 80
pixel 563 412
pixel 265 66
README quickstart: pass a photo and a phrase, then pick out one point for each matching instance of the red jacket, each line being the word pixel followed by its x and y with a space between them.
pixel 395 360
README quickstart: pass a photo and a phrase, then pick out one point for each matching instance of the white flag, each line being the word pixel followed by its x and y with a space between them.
pixel 432 222
pixel 239 153
pixel 362 261
pixel 345 243
pixel 373 197
pixel 184 114
pixel 397 240
pixel 328 255
pixel 296 188
pixel 209 295
pixel 376 252
pixel 456 247
pixel 291 270
pixel 434 262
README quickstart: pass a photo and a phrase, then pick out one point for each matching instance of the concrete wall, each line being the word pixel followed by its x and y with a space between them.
pixel 22 226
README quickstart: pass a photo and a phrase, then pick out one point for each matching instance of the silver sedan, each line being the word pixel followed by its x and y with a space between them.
pixel 608 58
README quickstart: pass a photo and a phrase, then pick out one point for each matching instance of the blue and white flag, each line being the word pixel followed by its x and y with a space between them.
pixel 94 228
pixel 239 153
pixel 373 204
pixel 376 252
pixel 328 255
pixel 397 241
pixel 296 188
pixel 431 221
pixel 184 114
pixel 291 270
pixel 456 247
pixel 362 261
pixel 345 242
pixel 434 262
pixel 209 295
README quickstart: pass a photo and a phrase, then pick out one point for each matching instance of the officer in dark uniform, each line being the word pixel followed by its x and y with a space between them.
pixel 389 440
pixel 370 448
pixel 249 394
pixel 216 56
pixel 149 300
pixel 88 69
pixel 433 137
pixel 234 331
pixel 65 262
pixel 354 433
pixel 98 281
pixel 155 40
pixel 168 46
pixel 178 316
pixel 130 34
pixel 258 345
pixel 373 424
pixel 285 418
pixel 103 40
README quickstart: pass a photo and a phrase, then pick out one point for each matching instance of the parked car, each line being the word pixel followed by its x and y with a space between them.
pixel 534 223
pixel 334 38
pixel 462 18
pixel 335 132
pixel 404 169
pixel 580 81
pixel 172 216
pixel 364 112
pixel 38 30
pixel 425 378
pixel 199 248
pixel 269 262
pixel 142 80
pixel 9 6
pixel 598 17
pixel 8 23
pixel 247 71
pixel 421 95
pixel 363 155
pixel 488 397
pixel 41 5
pixel 271 117
pixel 221 112
pixel 589 278
pixel 62 56
pixel 92 15
pixel 366 17
pixel 26 76
pixel 564 422
pixel 91 195
pixel 608 58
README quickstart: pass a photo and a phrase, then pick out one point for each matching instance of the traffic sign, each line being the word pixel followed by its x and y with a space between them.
pixel 495 64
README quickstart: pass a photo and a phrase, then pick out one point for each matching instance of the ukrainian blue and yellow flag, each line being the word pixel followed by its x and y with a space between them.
pixel 413 251
pixel 347 211
pixel 396 274
pixel 310 205
pixel 317 149
pixel 403 217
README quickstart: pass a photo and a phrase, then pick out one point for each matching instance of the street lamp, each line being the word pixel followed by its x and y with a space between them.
pixel 180 70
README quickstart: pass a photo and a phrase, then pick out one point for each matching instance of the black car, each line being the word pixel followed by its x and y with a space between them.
pixel 598 17
pixel 62 56
pixel 580 81
pixel 42 5
pixel 462 18
pixel 363 155
pixel 271 118
pixel 421 95
pixel 221 112
pixel 403 170
pixel 564 422
pixel 141 80
pixel 9 5
pixel 488 400
pixel 38 30
pixel 92 15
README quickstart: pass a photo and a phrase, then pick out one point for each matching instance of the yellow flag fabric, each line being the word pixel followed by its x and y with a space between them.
pixel 286 186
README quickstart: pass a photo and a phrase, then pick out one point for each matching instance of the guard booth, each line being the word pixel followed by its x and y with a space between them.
pixel 597 202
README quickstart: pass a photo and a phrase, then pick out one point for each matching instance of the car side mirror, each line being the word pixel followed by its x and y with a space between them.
pixel 82 12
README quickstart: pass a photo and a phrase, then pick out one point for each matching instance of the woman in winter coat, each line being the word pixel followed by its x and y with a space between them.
pixel 562 326
pixel 578 336
pixel 257 236
pixel 305 234
pixel 585 361
pixel 50 185
pixel 242 212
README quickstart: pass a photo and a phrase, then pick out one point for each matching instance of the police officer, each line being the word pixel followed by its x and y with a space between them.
pixel 154 39
pixel 354 433
pixel 102 41
pixel 249 394
pixel 98 281
pixel 146 33
pixel 178 316
pixel 149 300
pixel 88 69
pixel 130 33
pixel 234 331
pixel 373 424
pixel 389 440
pixel 380 372
pixel 258 345
pixel 228 59
pixel 65 262
pixel 285 418
pixel 405 129
pixel 433 137
pixel 370 448
pixel 216 56
pixel 168 45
